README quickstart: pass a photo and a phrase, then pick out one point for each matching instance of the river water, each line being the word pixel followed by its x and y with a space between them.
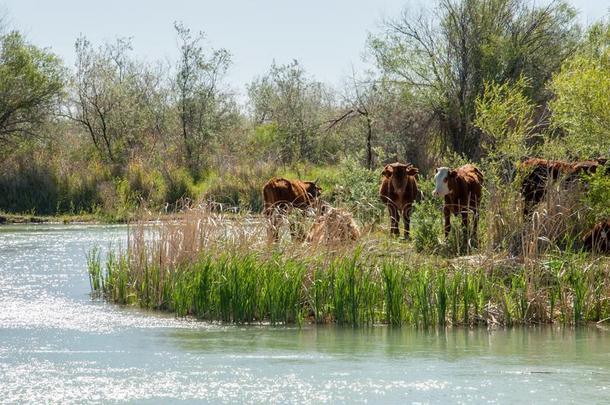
pixel 58 345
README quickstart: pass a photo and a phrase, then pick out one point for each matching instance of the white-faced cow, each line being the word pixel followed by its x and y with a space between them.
pixel 461 188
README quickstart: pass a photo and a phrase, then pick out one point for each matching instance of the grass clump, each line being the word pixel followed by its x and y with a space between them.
pixel 218 268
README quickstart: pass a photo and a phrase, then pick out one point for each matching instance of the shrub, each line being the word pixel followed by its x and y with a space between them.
pixel 427 226
pixel 597 197
pixel 178 185
pixel 357 189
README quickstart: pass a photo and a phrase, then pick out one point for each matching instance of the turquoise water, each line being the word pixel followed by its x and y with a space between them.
pixel 59 345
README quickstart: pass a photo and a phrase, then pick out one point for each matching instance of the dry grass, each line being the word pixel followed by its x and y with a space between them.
pixel 218 266
pixel 336 226
pixel 556 224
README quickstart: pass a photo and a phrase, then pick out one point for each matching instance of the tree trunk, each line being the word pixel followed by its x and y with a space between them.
pixel 369 148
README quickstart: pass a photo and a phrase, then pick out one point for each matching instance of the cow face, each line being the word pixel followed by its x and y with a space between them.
pixel 312 189
pixel 387 171
pixel 398 173
pixel 441 181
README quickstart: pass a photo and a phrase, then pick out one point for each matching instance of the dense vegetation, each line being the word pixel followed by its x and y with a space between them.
pixel 216 268
pixel 481 80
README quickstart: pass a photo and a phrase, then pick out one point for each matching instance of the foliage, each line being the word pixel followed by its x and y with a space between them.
pixel 357 189
pixel 192 269
pixel 581 106
pixel 597 196
pixel 31 81
pixel 295 106
pixel 203 108
pixel 505 115
pixel 427 225
pixel 445 55
pixel 468 84
pixel 107 98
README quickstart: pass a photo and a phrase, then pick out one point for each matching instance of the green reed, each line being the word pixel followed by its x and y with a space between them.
pixel 96 276
pixel 393 288
pixel 356 289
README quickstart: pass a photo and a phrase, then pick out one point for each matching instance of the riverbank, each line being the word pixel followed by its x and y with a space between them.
pixel 84 218
pixel 214 269
pixel 7 218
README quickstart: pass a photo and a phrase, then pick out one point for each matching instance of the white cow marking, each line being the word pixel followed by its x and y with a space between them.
pixel 441 188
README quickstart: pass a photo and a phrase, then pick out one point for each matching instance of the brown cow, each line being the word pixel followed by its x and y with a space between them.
pixel 462 191
pixel 598 239
pixel 537 172
pixel 398 191
pixel 280 195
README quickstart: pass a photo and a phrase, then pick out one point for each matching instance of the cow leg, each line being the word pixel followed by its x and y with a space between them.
pixel 447 214
pixel 394 219
pixel 272 235
pixel 465 219
pixel 406 214
pixel 475 226
pixel 465 231
pixel 276 215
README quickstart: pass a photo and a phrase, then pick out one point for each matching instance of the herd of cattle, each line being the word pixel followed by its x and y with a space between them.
pixel 460 187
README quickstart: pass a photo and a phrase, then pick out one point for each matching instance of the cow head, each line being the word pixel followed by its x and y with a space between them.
pixel 312 188
pixel 441 181
pixel 398 173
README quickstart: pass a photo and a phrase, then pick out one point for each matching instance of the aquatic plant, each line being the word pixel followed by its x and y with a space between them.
pixel 217 268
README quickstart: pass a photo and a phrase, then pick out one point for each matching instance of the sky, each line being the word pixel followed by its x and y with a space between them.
pixel 326 36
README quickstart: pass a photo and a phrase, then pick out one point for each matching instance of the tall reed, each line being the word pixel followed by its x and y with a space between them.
pixel 221 268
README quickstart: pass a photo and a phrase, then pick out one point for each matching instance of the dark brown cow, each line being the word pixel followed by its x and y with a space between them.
pixel 537 173
pixel 462 191
pixel 280 195
pixel 598 239
pixel 398 191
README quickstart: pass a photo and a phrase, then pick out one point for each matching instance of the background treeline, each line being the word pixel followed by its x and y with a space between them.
pixel 488 81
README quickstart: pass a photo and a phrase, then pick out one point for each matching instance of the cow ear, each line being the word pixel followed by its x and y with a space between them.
pixel 452 173
pixel 412 171
pixel 387 171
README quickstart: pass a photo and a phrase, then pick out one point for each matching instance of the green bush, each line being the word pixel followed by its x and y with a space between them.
pixel 178 185
pixel 427 228
pixel 28 187
pixel 357 189
pixel 597 196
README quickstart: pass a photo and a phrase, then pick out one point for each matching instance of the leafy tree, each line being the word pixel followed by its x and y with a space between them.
pixel 362 100
pixel 581 107
pixel 204 108
pixel 104 97
pixel 123 105
pixel 506 116
pixel 298 105
pixel 445 56
pixel 31 81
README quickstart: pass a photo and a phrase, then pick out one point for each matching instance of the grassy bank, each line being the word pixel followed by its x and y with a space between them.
pixel 12 218
pixel 221 269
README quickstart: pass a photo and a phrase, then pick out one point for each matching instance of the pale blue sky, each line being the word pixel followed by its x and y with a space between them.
pixel 327 37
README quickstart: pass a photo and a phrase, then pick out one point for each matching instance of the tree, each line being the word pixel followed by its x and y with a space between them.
pixel 298 106
pixel 204 108
pixel 581 106
pixel 361 100
pixel 103 99
pixel 31 81
pixel 118 101
pixel 505 115
pixel 447 56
